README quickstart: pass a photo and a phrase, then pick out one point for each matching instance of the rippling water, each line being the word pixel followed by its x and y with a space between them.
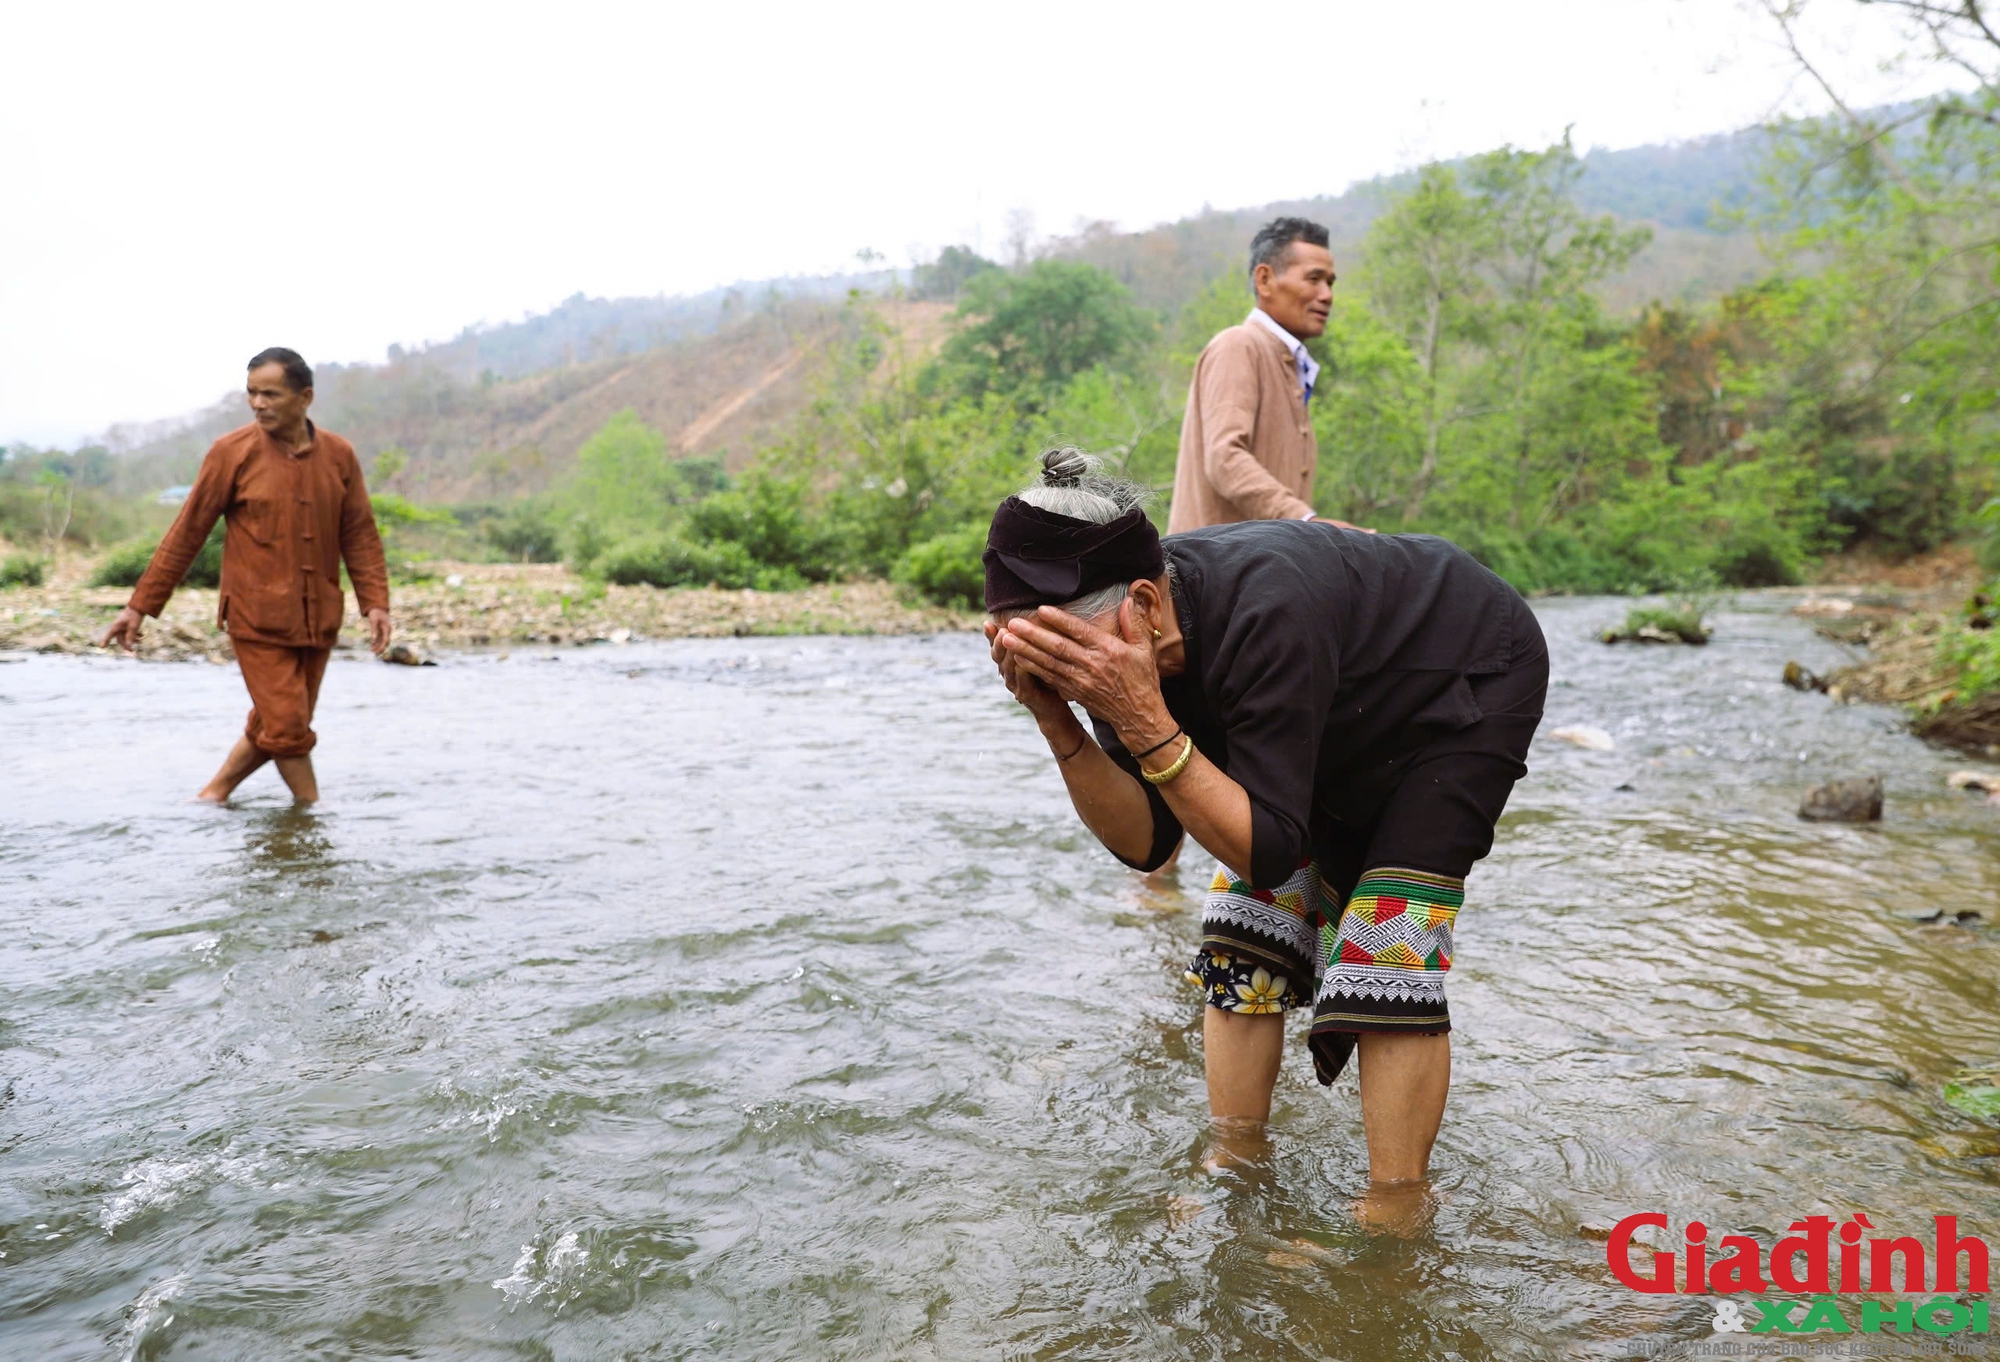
pixel 763 998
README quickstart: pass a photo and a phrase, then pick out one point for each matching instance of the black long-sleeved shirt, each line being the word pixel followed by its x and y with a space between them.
pixel 1308 646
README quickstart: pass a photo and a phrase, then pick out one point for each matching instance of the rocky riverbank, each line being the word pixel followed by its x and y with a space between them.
pixel 484 605
pixel 1906 667
pixel 1902 615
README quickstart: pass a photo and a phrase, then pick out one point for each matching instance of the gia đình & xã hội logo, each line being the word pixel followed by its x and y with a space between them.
pixel 1814 1266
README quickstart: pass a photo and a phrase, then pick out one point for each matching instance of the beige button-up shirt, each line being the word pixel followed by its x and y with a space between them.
pixel 1247 447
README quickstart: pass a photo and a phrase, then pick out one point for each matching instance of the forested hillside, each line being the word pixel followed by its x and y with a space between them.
pixel 501 410
pixel 1696 251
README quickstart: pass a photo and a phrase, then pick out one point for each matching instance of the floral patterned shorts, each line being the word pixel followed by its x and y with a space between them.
pixel 1237 985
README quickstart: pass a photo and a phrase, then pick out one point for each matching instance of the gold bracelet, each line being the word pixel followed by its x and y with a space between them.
pixel 1180 765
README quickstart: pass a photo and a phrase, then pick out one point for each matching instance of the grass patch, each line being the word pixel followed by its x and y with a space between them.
pixel 1683 620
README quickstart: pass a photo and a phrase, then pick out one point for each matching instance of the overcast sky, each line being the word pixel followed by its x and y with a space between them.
pixel 186 183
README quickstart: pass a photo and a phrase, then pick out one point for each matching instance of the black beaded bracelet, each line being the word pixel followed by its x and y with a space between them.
pixel 1140 756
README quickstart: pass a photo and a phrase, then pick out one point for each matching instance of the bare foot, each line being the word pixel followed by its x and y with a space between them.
pixel 1235 1143
pixel 1402 1209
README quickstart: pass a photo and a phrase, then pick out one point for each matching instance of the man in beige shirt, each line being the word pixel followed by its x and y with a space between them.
pixel 1247 448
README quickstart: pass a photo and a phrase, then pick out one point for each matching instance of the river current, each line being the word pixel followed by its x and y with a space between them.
pixel 763 998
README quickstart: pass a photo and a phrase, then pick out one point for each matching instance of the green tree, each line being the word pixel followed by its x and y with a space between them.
pixel 1429 258
pixel 1885 368
pixel 946 276
pixel 625 482
pixel 1374 416
pixel 1563 387
pixel 1025 335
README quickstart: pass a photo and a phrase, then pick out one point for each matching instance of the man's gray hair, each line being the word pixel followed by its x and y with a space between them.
pixel 1273 242
pixel 1073 484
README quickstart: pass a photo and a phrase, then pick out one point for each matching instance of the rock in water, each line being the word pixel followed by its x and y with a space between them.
pixel 1798 678
pixel 1844 801
pixel 404 655
pixel 1584 736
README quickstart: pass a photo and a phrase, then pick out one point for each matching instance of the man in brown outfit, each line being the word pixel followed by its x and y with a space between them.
pixel 296 509
pixel 1247 447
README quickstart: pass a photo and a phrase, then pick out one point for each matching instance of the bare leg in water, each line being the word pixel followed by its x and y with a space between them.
pixel 245 758
pixel 1243 1051
pixel 1404 1082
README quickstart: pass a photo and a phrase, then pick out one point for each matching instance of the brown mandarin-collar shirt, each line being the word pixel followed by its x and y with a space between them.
pixel 1247 447
pixel 292 519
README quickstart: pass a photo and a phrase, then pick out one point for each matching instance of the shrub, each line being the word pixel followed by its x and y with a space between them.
pixel 670 560
pixel 1989 547
pixel 1758 551
pixel 392 511
pixel 22 569
pixel 769 518
pixel 526 534
pixel 1974 654
pixel 947 568
pixel 126 563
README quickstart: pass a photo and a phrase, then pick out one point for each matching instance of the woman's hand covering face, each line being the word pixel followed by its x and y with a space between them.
pixel 1111 673
pixel 1033 692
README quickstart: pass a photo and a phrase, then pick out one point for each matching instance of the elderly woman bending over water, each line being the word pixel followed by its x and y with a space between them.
pixel 1338 717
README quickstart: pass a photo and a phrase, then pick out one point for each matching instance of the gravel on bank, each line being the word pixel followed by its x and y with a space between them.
pixel 485 605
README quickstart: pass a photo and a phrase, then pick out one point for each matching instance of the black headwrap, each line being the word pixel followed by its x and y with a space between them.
pixel 1036 557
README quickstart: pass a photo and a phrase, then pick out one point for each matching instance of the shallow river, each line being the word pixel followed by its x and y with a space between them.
pixel 763 998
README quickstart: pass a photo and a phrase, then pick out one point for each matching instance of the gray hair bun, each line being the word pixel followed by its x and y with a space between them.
pixel 1068 466
pixel 1073 484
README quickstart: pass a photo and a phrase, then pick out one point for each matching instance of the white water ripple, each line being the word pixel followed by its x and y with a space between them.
pixel 556 1272
pixel 149 1315
pixel 157 1183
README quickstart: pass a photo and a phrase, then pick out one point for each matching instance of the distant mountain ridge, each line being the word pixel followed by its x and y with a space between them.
pixel 498 410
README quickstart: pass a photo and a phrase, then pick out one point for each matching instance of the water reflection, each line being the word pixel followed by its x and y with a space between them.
pixel 290 842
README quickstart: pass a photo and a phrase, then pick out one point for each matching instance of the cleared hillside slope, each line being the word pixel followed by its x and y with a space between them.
pixel 495 438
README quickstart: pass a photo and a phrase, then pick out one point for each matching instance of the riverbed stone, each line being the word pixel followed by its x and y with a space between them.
pixel 1798 678
pixel 1858 800
pixel 1587 736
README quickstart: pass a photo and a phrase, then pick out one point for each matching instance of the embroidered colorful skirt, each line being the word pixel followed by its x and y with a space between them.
pixel 1374 960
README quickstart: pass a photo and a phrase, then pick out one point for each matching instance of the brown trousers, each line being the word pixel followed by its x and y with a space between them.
pixel 284 686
